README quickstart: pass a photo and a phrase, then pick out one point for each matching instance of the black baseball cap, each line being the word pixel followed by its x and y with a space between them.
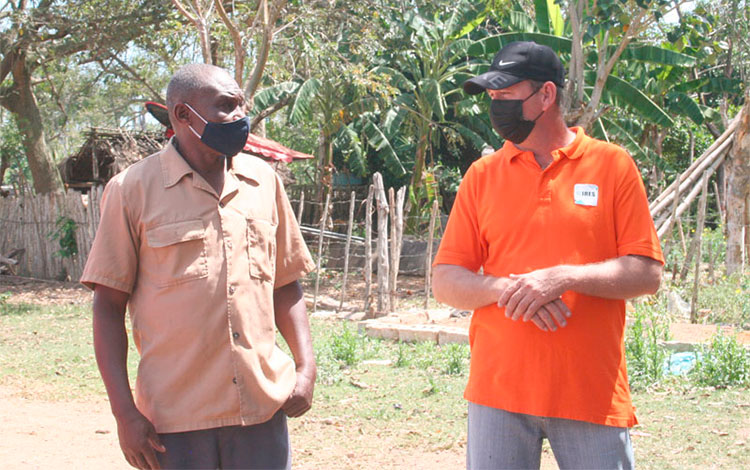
pixel 516 62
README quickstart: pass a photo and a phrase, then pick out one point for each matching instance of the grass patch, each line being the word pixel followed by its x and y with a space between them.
pixel 47 352
pixel 374 394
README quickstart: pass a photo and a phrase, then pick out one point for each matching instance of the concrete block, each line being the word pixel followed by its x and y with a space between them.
pixel 418 333
pixel 453 335
pixel 374 329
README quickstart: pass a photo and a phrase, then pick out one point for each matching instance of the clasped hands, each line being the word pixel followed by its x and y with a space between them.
pixel 535 297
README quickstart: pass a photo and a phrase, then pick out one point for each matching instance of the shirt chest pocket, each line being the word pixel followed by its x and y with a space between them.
pixel 261 249
pixel 179 252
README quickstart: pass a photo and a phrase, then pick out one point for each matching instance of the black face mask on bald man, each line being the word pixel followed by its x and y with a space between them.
pixel 228 138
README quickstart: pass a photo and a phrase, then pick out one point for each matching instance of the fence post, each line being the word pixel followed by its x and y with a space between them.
pixel 346 248
pixel 382 246
pixel 301 206
pixel 428 259
pixel 368 250
pixel 320 250
pixel 397 235
pixel 697 247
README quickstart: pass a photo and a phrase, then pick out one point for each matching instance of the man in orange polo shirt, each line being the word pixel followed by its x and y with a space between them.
pixel 203 249
pixel 559 225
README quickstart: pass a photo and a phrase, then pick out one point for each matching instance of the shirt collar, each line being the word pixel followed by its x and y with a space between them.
pixel 572 151
pixel 174 166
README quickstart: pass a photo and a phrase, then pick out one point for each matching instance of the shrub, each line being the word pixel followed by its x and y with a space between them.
pixel 343 347
pixel 645 355
pixel 455 356
pixel 724 363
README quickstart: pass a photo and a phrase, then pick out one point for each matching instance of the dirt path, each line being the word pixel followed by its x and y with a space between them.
pixel 74 435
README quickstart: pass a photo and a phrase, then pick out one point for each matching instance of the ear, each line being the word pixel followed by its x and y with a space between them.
pixel 549 95
pixel 181 114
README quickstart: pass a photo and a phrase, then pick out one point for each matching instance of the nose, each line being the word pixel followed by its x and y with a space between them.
pixel 238 113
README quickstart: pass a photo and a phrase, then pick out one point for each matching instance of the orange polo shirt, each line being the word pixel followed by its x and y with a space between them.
pixel 201 269
pixel 510 216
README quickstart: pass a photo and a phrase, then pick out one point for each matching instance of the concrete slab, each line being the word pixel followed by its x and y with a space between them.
pixel 453 335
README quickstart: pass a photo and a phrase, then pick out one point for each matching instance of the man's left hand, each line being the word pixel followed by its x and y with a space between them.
pixel 301 398
pixel 527 293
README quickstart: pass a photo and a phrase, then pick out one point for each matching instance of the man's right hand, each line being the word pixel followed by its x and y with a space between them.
pixel 138 441
pixel 551 315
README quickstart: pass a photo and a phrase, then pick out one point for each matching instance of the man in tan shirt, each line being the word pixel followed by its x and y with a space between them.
pixel 203 249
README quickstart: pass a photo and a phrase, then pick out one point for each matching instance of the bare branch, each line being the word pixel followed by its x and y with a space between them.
pixel 239 51
pixel 155 94
pixel 269 111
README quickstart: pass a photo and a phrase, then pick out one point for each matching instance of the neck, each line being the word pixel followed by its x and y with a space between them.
pixel 210 167
pixel 547 136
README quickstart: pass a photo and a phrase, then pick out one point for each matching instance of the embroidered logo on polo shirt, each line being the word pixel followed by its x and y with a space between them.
pixel 586 194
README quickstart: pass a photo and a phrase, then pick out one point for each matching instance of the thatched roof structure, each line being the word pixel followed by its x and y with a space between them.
pixel 105 153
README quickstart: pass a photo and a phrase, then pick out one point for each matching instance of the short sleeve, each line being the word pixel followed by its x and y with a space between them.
pixel 293 259
pixel 113 260
pixel 634 227
pixel 462 244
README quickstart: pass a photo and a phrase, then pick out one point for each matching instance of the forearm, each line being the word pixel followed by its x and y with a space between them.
pixel 618 278
pixel 111 350
pixel 291 320
pixel 461 288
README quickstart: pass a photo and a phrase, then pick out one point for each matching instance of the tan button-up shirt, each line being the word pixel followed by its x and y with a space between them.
pixel 201 270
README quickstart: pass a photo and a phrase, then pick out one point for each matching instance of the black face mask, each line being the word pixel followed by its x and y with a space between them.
pixel 228 138
pixel 507 119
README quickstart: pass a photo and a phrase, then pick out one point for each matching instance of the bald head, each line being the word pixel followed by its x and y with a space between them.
pixel 191 79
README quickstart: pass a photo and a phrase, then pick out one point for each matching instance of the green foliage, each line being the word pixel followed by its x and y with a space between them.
pixel 12 153
pixel 645 355
pixel 727 301
pixel 455 358
pixel 724 363
pixel 65 235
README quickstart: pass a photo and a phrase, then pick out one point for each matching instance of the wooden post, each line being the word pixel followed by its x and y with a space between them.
pixel 722 215
pixel 397 235
pixel 675 203
pixel 368 250
pixel 301 206
pixel 393 274
pixel 382 245
pixel 346 248
pixel 428 259
pixel 697 245
pixel 320 249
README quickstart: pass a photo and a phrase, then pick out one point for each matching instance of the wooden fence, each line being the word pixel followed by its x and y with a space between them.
pixel 29 223
pixel 337 239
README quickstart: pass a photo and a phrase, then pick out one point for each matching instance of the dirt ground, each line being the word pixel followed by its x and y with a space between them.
pixel 83 434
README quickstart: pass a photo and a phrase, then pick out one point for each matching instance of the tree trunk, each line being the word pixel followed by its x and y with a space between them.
pixel 22 102
pixel 738 190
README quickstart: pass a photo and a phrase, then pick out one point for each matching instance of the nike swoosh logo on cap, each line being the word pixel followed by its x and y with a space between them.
pixel 501 63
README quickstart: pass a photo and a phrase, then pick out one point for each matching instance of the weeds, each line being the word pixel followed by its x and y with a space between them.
pixel 455 356
pixel 645 355
pixel 723 363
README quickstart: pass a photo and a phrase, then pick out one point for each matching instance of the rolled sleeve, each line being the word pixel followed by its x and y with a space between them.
pixel 113 260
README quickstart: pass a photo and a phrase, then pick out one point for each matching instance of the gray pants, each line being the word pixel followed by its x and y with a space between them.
pixel 502 440
pixel 261 446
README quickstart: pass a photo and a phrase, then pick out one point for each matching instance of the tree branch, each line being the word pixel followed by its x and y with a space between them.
pixel 239 51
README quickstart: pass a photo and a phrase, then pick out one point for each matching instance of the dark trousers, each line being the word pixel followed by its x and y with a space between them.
pixel 260 446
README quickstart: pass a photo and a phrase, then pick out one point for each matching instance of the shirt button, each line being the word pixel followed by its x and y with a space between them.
pixel 234 380
pixel 231 289
pixel 221 204
pixel 235 335
pixel 229 244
